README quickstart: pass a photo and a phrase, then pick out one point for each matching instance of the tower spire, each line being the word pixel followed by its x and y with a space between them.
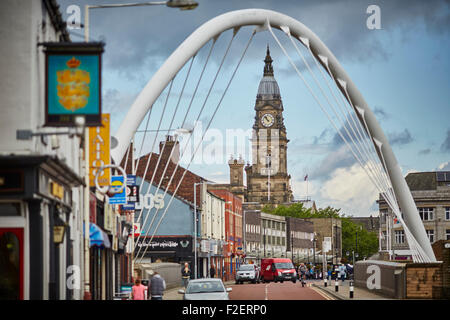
pixel 268 69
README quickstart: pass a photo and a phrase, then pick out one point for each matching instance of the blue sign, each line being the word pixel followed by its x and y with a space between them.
pixel 118 198
pixel 128 207
pixel 73 83
pixel 131 180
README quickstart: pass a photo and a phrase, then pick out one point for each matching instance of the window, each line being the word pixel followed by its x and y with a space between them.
pixel 399 236
pixel 8 209
pixel 447 234
pixel 430 234
pixel 447 213
pixel 426 214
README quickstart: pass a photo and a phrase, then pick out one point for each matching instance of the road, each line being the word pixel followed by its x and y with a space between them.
pixel 276 291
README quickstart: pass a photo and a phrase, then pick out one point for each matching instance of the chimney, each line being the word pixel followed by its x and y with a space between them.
pixel 170 144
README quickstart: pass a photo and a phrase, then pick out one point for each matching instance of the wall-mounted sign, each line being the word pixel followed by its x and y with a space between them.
pixel 73 83
pixel 178 244
pixel 118 198
pixel 99 152
pixel 132 194
pixel 56 190
pixel 149 201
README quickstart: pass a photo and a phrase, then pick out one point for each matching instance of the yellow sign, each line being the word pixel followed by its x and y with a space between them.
pixel 56 190
pixel 99 152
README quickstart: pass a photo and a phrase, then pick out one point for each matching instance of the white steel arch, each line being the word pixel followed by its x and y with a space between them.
pixel 260 17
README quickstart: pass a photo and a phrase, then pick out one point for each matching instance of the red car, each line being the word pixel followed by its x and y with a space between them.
pixel 278 269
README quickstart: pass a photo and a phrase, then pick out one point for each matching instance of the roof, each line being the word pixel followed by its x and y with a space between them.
pixel 186 189
pixel 268 85
pixel 56 18
pixel 418 181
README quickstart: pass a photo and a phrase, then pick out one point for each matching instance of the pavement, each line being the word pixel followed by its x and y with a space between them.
pixel 344 291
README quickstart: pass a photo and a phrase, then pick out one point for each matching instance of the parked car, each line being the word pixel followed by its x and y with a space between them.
pixel 247 272
pixel 205 289
pixel 278 269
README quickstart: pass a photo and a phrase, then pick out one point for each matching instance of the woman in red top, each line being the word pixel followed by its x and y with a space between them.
pixel 138 291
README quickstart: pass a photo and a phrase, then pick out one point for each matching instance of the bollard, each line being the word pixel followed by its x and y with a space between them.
pixel 325 282
pixel 336 283
pixel 351 289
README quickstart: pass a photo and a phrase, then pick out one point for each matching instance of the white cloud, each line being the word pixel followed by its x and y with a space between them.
pixel 349 189
pixel 444 166
pixel 299 189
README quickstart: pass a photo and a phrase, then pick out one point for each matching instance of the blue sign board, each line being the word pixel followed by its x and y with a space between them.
pixel 131 180
pixel 128 207
pixel 73 83
pixel 118 198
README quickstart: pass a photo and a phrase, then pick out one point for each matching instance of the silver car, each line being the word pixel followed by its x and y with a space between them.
pixel 247 272
pixel 205 289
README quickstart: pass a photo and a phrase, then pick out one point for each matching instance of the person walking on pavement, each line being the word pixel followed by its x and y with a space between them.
pixel 157 286
pixel 212 271
pixel 185 274
pixel 138 290
pixel 342 271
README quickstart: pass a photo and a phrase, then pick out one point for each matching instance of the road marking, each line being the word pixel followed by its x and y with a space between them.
pixel 323 294
pixel 266 298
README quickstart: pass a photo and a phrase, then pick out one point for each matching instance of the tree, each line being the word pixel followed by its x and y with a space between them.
pixel 367 241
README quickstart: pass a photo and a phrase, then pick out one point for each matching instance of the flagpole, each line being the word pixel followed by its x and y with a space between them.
pixel 306 179
pixel 306 189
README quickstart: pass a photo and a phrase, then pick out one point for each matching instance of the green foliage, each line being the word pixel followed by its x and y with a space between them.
pixel 298 210
pixel 366 245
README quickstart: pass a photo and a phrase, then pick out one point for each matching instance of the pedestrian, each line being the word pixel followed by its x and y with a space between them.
pixel 138 290
pixel 185 274
pixel 157 286
pixel 342 271
pixel 212 271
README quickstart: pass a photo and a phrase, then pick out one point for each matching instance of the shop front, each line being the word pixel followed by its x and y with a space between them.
pixel 177 249
pixel 36 219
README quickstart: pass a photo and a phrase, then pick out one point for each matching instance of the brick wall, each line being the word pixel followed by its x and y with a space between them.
pixel 423 280
pixel 443 254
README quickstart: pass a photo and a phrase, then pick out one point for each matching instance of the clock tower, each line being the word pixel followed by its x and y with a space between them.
pixel 268 181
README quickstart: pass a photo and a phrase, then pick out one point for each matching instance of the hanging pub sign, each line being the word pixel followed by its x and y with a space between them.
pixel 73 83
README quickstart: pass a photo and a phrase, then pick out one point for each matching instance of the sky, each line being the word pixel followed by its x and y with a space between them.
pixel 401 69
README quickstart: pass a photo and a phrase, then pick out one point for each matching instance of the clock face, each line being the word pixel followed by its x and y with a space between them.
pixel 267 120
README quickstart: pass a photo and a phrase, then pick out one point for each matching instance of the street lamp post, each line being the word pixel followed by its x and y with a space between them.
pixel 181 4
pixel 314 251
pixel 292 247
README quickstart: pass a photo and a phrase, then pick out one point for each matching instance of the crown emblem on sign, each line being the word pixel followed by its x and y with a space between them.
pixel 73 63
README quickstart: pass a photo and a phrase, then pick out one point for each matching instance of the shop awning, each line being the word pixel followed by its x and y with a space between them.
pixel 97 237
